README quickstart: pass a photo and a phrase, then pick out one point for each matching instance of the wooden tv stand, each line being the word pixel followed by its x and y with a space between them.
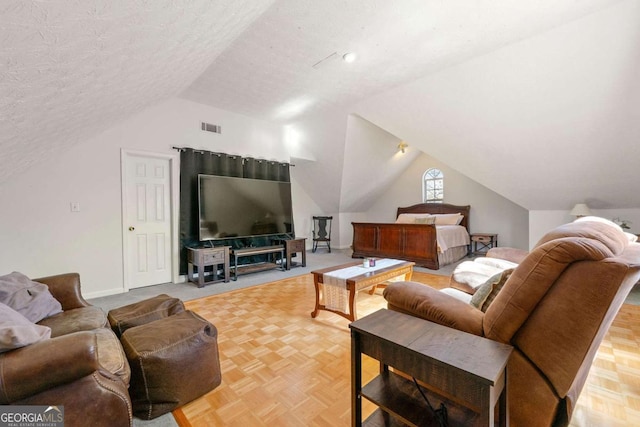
pixel 260 250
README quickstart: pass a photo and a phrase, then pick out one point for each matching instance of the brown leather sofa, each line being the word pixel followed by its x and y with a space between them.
pixel 82 367
pixel 555 309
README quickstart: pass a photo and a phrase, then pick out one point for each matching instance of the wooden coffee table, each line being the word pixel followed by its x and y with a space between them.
pixel 364 278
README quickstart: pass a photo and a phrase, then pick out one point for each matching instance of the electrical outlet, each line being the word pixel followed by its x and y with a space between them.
pixel 75 207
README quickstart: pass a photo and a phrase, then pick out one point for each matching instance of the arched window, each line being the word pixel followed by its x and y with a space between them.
pixel 433 186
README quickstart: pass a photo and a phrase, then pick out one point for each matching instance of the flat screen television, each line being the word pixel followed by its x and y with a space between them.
pixel 241 207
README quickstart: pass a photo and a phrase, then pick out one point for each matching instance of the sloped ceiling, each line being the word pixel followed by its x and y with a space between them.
pixel 70 69
pixel 548 122
pixel 271 70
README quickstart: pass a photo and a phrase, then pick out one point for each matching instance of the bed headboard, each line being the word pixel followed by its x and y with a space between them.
pixel 438 208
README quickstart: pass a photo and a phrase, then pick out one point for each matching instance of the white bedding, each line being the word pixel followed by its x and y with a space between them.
pixel 450 236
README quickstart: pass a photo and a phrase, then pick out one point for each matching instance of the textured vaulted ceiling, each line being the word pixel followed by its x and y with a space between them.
pixel 268 71
pixel 70 69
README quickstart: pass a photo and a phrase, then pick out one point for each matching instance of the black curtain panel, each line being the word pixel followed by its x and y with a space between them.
pixel 195 162
pixel 279 172
pixel 254 168
pixel 266 169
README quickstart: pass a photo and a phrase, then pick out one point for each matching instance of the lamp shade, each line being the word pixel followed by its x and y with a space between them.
pixel 580 209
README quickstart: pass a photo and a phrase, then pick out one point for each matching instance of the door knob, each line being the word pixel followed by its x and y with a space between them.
pixel 131 228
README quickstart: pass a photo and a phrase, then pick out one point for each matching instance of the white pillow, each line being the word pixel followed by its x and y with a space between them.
pixel 409 218
pixel 448 219
pixel 429 220
pixel 16 331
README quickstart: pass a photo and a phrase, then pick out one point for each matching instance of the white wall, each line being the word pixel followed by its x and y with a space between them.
pixel 41 236
pixel 371 163
pixel 540 222
pixel 345 238
pixel 320 139
pixel 559 107
pixel 304 207
pixel 490 212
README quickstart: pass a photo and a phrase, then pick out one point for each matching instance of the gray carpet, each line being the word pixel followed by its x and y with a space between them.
pixel 189 291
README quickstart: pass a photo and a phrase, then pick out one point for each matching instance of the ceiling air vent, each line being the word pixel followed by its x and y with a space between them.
pixel 208 127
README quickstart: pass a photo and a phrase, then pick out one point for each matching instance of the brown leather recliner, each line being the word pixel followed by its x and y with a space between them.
pixel 81 367
pixel 555 309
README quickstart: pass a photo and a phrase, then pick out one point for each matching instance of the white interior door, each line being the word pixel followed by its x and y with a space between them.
pixel 147 220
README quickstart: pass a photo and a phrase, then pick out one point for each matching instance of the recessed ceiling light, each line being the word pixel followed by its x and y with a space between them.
pixel 349 57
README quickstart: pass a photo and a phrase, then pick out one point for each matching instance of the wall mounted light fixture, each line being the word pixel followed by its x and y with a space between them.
pixel 402 146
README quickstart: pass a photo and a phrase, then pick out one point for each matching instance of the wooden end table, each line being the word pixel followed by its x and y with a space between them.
pixel 367 278
pixel 485 240
pixel 292 246
pixel 468 372
pixel 201 258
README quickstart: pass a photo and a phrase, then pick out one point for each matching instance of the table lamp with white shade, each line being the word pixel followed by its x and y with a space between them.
pixel 580 210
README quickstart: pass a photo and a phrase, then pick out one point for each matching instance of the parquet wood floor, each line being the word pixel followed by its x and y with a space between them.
pixel 280 367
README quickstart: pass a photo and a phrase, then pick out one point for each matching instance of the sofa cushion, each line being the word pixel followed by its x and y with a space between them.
pixel 429 220
pixel 481 294
pixel 485 294
pixel 448 219
pixel 31 299
pixel 17 331
pixel 418 299
pixel 604 231
pixel 111 355
pixel 410 218
pixel 78 319
pixel 533 278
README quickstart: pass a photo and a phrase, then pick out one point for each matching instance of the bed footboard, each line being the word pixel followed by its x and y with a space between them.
pixel 411 242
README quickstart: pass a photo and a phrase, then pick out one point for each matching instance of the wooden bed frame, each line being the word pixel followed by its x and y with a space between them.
pixel 411 242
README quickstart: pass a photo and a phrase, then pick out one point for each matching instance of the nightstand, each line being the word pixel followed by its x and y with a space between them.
pixel 208 257
pixel 482 242
pixel 291 247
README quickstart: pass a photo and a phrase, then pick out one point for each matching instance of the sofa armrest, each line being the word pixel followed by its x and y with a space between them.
pixel 510 254
pixel 46 364
pixel 430 304
pixel 66 289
